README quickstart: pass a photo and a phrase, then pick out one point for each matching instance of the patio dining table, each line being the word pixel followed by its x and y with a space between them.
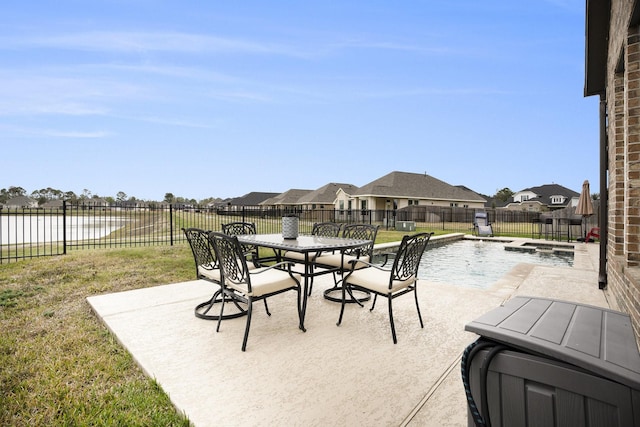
pixel 304 244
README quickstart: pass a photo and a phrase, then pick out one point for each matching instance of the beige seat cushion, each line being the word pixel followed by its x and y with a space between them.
pixel 211 274
pixel 335 260
pixel 214 274
pixel 377 280
pixel 272 280
pixel 297 256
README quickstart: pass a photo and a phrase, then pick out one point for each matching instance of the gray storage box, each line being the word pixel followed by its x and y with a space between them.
pixel 405 226
pixel 571 365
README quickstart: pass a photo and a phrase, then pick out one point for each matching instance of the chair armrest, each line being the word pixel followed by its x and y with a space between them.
pixel 353 263
pixel 270 267
pixel 386 256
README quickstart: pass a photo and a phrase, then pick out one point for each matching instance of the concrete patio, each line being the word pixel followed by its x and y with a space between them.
pixel 337 376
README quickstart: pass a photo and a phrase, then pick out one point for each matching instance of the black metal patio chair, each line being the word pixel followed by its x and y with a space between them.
pixel 338 263
pixel 250 251
pixel 401 279
pixel 207 268
pixel 246 285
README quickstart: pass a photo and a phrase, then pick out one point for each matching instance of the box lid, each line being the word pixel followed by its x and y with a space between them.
pixel 596 339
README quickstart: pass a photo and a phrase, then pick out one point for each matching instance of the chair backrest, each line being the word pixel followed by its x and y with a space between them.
pixel 407 260
pixel 236 228
pixel 480 219
pixel 203 253
pixel 231 258
pixel 363 232
pixel 326 229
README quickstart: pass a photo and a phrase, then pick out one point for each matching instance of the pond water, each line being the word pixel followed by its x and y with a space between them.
pixel 478 263
pixel 17 229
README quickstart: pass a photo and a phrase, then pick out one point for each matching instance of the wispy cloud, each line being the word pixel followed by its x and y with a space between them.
pixel 167 121
pixel 74 134
pixel 569 5
pixel 132 42
pixel 135 42
pixel 435 91
pixel 393 46
pixel 30 92
pixel 17 131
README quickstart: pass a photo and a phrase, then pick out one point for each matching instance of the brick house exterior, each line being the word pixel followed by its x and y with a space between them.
pixel 612 71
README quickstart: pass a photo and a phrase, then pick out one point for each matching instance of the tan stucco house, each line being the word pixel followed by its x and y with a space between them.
pixel 398 190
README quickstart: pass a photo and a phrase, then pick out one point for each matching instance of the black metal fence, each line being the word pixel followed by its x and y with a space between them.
pixel 37 232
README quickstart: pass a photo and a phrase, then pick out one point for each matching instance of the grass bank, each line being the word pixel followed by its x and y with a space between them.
pixel 59 364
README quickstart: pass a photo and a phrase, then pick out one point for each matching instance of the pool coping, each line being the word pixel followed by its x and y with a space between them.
pixel 511 243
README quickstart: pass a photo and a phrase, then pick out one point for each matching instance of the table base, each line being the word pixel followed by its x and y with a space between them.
pixel 356 298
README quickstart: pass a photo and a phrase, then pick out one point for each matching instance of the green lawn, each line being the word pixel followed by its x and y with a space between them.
pixel 60 365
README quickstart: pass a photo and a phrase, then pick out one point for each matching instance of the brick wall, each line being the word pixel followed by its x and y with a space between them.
pixel 623 108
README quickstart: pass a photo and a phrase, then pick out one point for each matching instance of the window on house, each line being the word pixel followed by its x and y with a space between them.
pixel 524 197
pixel 453 205
pixel 413 202
pixel 557 200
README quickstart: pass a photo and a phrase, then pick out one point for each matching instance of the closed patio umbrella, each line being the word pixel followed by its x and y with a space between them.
pixel 585 206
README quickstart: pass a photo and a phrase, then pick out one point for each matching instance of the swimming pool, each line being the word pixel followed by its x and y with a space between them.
pixel 479 263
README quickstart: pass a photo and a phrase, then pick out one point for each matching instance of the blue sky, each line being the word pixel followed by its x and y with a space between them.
pixel 217 99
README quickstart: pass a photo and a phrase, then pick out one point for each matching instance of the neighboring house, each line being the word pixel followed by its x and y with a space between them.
pixel 398 190
pixel 134 204
pixel 93 203
pixel 288 199
pixel 325 197
pixel 21 202
pixel 250 199
pixel 611 73
pixel 543 198
pixel 52 204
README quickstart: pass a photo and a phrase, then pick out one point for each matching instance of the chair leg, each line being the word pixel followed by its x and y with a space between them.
pixel 375 298
pixel 344 296
pixel 221 312
pixel 415 293
pixel 266 307
pixel 235 303
pixel 310 282
pixel 353 297
pixel 393 326
pixel 301 322
pixel 209 304
pixel 246 329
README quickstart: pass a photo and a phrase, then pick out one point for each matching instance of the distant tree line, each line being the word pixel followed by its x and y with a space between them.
pixel 48 194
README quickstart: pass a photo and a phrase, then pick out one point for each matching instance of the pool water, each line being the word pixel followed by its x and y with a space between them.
pixel 478 263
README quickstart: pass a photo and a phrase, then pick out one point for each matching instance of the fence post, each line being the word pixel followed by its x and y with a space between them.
pixel 64 227
pixel 1 245
pixel 170 224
